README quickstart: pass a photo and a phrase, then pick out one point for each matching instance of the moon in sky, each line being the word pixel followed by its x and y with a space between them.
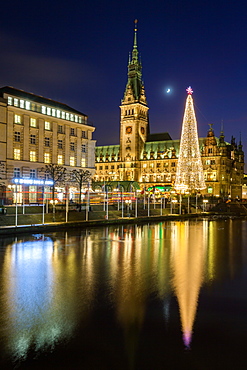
pixel 168 91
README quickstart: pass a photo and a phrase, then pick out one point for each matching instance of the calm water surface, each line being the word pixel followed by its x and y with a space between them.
pixel 170 295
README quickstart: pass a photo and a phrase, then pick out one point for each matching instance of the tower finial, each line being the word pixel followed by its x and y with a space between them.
pixel 222 126
pixel 135 51
pixel 135 34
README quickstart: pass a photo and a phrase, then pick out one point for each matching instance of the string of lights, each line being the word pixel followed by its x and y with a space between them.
pixel 189 175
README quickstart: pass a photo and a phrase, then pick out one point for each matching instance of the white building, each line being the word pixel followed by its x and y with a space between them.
pixel 35 131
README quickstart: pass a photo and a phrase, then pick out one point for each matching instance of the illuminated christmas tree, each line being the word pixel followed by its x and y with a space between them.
pixel 189 176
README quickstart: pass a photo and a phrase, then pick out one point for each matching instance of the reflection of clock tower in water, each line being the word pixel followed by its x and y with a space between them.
pixel 134 125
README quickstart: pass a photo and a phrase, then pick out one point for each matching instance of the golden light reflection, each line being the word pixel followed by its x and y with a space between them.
pixel 189 247
pixel 41 281
pixel 49 285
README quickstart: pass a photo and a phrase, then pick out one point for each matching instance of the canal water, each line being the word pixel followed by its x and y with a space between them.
pixel 171 295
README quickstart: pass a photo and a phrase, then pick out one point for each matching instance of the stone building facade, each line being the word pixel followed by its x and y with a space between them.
pixel 35 131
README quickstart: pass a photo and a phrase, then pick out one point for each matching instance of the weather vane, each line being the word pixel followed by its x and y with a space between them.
pixel 189 90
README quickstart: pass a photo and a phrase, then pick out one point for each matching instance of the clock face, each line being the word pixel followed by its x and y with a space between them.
pixel 142 130
pixel 128 130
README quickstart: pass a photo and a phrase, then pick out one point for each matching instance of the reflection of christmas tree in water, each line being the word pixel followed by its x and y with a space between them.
pixel 187 262
pixel 189 176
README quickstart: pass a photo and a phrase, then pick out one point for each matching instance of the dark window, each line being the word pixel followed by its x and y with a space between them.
pixel 32 174
pixel 17 136
pixel 32 139
pixel 47 141
pixel 17 172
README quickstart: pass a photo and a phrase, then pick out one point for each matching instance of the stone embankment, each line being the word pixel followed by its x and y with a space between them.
pixel 32 219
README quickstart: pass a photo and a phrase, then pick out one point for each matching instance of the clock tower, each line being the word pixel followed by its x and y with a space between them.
pixel 134 125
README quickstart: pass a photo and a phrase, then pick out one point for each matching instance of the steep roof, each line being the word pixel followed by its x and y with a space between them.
pixel 163 136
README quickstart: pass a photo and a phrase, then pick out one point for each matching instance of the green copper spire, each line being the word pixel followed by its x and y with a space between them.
pixel 135 70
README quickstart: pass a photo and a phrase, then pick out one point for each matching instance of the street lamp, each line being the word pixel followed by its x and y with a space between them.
pixel 205 201
pixel 128 203
pixel 174 201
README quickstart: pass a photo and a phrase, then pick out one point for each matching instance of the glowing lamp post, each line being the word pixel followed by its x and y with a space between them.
pixel 205 201
pixel 173 202
pixel 128 203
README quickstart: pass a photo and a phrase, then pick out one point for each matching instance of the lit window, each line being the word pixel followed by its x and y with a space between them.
pixel 83 162
pixel 32 139
pixel 58 113
pixel 32 156
pixel 43 109
pixel 80 120
pixel 72 131
pixel 33 122
pixel 17 136
pixel 72 161
pixel 67 116
pixel 15 102
pixel 10 100
pixel 83 148
pixel 53 112
pixel 22 103
pixel 71 117
pixel 28 105
pixel 17 118
pixel 47 157
pixel 47 141
pixel 72 146
pixel 207 161
pixel 76 118
pixel 144 165
pixel 59 159
pixel 60 144
pixel 47 125
pixel 17 154
pixel 63 115
pixel 32 174
pixel 17 172
pixel 48 111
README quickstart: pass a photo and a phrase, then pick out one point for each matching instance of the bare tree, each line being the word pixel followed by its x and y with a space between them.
pixel 55 173
pixel 81 176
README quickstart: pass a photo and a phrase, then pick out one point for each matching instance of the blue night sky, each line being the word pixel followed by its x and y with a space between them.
pixel 78 53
